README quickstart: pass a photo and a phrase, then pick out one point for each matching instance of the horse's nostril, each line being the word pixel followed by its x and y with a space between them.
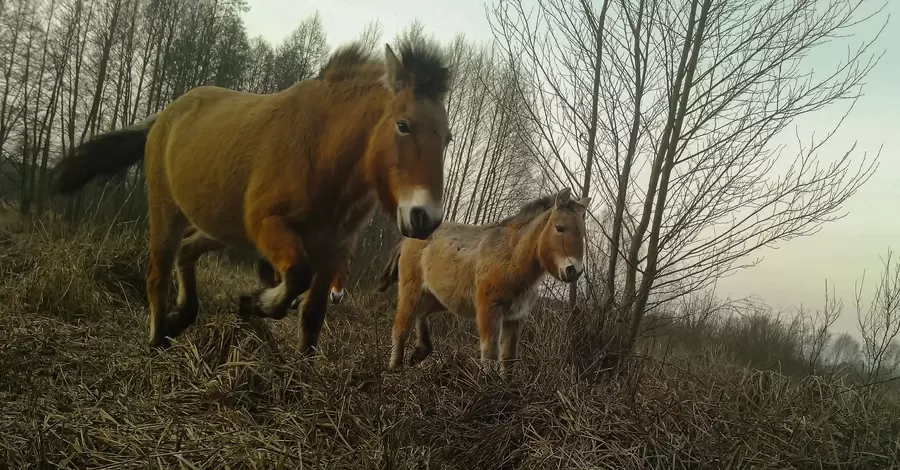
pixel 570 272
pixel 418 218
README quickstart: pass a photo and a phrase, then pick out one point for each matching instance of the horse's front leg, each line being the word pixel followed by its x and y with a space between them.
pixel 313 309
pixel 282 248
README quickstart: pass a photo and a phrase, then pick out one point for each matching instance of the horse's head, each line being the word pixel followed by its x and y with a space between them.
pixel 561 245
pixel 408 166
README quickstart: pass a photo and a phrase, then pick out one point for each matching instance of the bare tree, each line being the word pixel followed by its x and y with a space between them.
pixel 694 99
pixel 301 54
pixel 845 351
pixel 370 37
pixel 817 329
pixel 879 321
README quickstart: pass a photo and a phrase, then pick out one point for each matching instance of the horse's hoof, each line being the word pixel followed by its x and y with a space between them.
pixel 176 323
pixel 160 344
pixel 248 306
pixel 418 355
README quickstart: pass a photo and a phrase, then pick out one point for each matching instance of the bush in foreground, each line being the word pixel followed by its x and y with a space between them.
pixel 81 389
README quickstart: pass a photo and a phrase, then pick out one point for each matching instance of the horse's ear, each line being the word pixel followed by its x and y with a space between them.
pixel 581 205
pixel 396 76
pixel 563 197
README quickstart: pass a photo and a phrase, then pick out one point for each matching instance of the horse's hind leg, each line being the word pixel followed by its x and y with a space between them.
pixel 428 305
pixel 423 346
pixel 188 305
pixel 167 226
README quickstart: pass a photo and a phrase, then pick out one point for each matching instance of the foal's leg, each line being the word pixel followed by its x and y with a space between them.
pixel 487 316
pixel 408 296
pixel 188 306
pixel 167 226
pixel 509 342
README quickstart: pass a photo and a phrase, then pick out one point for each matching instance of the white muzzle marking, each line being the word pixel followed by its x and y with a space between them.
pixel 418 212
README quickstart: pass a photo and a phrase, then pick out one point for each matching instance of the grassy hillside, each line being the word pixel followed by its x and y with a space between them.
pixel 80 388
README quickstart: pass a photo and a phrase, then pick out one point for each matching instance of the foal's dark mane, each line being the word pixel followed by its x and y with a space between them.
pixel 529 211
pixel 423 58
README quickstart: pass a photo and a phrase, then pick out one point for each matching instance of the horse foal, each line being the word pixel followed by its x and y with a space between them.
pixel 487 273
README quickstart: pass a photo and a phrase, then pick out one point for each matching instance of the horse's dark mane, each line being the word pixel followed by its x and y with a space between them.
pixel 348 62
pixel 424 59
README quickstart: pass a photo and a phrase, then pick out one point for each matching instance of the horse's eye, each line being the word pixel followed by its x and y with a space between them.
pixel 403 127
pixel 560 229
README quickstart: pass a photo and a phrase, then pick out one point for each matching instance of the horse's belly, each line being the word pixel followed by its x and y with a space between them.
pixel 457 304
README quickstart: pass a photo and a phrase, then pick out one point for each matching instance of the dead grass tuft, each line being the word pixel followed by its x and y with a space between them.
pixel 81 389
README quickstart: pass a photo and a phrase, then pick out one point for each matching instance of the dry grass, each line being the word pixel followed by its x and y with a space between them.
pixel 80 388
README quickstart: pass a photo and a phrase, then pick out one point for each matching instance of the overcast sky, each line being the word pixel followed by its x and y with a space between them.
pixel 790 275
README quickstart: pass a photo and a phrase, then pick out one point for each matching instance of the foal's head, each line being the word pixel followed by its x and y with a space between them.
pixel 411 138
pixel 561 243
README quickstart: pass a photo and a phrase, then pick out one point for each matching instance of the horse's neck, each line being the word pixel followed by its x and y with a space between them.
pixel 525 247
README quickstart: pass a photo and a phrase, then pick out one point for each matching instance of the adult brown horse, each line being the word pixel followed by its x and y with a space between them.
pixel 487 273
pixel 292 175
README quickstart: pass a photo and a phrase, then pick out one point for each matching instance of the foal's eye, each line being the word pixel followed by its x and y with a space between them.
pixel 403 127
pixel 560 229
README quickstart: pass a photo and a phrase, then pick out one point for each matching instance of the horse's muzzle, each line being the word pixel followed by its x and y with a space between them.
pixel 419 222
pixel 570 274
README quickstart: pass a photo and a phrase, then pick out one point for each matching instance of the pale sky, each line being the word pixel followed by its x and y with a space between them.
pixel 790 275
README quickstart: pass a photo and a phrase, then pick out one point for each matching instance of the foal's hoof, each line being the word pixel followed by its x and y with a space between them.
pixel 489 367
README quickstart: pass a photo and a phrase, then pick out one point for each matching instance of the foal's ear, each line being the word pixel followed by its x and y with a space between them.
pixel 582 205
pixel 563 197
pixel 396 77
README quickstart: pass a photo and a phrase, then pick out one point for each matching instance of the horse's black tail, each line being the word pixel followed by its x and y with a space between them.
pixel 391 272
pixel 104 154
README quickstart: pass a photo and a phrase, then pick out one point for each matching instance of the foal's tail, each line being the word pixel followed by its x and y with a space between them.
pixel 391 272
pixel 104 154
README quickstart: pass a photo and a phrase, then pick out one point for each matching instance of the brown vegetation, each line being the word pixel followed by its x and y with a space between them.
pixel 80 388
pixel 667 116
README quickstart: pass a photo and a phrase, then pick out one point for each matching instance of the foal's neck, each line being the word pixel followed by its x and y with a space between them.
pixel 525 247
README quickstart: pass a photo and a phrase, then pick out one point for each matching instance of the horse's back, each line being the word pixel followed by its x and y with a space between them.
pixel 450 265
pixel 203 150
